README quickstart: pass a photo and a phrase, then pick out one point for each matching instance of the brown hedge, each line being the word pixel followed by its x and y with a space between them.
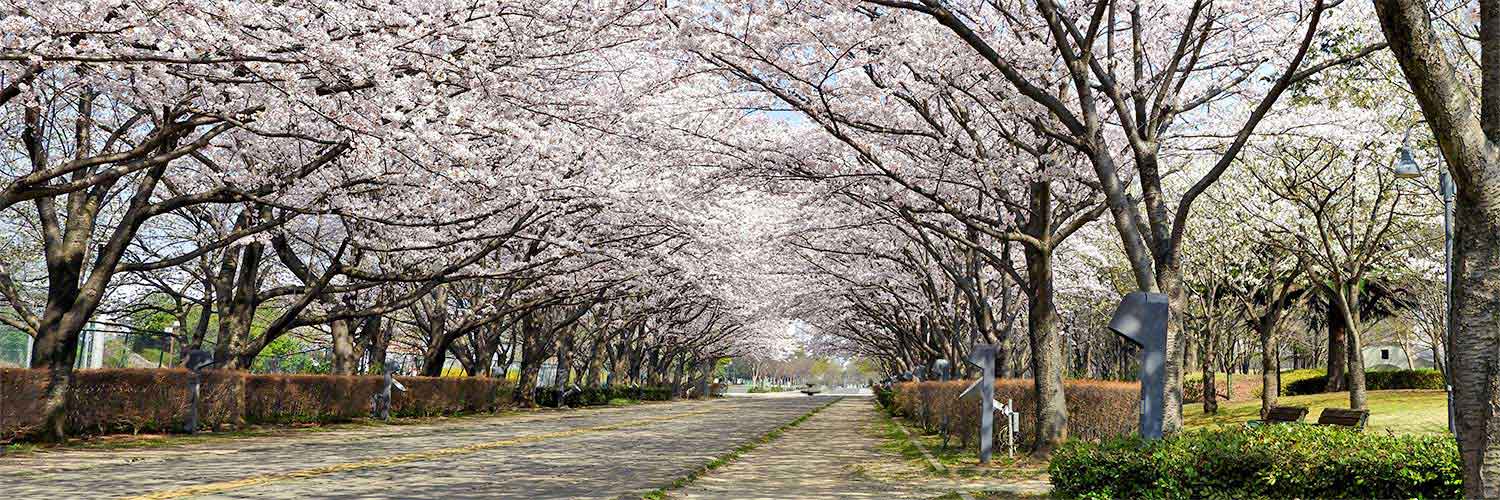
pixel 156 400
pixel 1096 409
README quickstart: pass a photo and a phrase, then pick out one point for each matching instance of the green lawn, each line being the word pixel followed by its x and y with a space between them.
pixel 1401 412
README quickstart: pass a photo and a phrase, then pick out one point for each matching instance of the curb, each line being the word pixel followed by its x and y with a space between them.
pixel 932 462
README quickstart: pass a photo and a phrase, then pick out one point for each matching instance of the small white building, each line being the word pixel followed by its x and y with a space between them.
pixel 1389 356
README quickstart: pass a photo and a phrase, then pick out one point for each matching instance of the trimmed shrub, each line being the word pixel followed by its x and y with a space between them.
pixel 1096 409
pixel 429 396
pixel 885 396
pixel 595 396
pixel 295 399
pixel 156 400
pixel 130 400
pixel 1277 461
pixel 1374 381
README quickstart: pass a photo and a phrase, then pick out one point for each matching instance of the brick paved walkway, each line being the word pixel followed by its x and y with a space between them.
pixel 595 453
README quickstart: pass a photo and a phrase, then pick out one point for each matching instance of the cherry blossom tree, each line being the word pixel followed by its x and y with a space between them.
pixel 1153 79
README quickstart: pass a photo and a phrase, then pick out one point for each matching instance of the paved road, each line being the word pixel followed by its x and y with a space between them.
pixel 834 454
pixel 595 453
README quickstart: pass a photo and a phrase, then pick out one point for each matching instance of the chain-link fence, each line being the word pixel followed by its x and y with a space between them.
pixel 15 348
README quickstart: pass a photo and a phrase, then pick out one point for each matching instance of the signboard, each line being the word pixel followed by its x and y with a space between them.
pixel 1142 320
pixel 983 356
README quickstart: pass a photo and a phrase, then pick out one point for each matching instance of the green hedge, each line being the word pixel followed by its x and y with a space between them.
pixel 595 396
pixel 1374 381
pixel 1279 461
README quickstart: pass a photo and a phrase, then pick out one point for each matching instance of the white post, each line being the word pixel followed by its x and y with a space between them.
pixel 96 349
pixel 1010 427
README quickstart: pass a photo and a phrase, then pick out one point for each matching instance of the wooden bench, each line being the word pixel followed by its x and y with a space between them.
pixel 1281 415
pixel 1344 417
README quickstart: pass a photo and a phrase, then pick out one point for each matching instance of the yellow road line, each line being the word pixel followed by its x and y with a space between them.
pixel 220 487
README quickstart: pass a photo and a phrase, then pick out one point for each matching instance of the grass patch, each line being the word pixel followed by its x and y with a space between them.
pixel 1399 411
pixel 999 495
pixel 624 402
pixel 19 448
pixel 960 462
pixel 725 459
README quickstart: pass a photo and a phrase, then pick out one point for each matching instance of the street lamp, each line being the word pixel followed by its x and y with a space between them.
pixel 1407 168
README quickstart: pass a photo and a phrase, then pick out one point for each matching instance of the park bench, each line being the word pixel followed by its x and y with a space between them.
pixel 1281 415
pixel 1344 417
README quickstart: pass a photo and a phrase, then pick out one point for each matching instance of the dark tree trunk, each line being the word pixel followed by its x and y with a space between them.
pixel 564 365
pixel 379 344
pixel 1270 369
pixel 1206 357
pixel 436 355
pixel 1338 360
pixel 1355 350
pixel 1467 141
pixel 533 351
pixel 1041 326
pixel 598 354
pixel 345 358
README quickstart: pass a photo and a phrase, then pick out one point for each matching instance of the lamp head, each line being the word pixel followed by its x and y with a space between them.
pixel 1406 167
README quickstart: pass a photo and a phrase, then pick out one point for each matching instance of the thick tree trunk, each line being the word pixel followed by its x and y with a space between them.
pixel 1356 368
pixel 1467 142
pixel 533 352
pixel 61 323
pixel 597 358
pixel 57 356
pixel 1338 359
pixel 379 345
pixel 1170 282
pixel 239 314
pixel 436 354
pixel 564 365
pixel 1046 354
pixel 484 359
pixel 345 358
pixel 1210 384
pixel 1270 369
pixel 525 396
pixel 1476 340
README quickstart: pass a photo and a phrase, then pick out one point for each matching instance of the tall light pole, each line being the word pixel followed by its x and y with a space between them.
pixel 1406 167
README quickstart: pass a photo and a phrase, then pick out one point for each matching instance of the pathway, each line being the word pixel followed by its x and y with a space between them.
pixel 594 453
pixel 834 454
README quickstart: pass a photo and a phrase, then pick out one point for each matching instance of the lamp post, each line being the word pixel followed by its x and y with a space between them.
pixel 1406 167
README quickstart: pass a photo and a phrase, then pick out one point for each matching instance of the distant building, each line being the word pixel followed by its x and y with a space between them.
pixel 1386 356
